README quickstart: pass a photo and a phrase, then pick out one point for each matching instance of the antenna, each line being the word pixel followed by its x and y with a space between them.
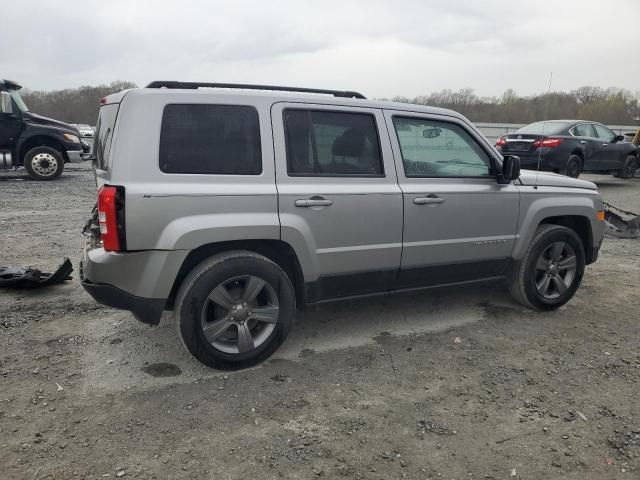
pixel 546 112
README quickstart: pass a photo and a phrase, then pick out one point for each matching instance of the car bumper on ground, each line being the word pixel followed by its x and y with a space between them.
pixel 121 280
pixel 74 156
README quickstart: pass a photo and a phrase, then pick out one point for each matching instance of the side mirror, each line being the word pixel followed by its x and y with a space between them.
pixel 510 169
pixel 6 105
pixel 618 138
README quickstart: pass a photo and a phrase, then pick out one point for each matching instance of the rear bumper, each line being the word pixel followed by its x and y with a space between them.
pixel 548 160
pixel 146 310
pixel 140 282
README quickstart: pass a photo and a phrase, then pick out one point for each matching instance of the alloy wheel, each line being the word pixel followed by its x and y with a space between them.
pixel 240 314
pixel 556 270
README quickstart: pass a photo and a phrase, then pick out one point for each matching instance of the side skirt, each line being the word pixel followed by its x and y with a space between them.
pixel 371 283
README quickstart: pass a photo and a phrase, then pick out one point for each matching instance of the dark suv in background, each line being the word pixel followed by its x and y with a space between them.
pixel 571 147
pixel 41 145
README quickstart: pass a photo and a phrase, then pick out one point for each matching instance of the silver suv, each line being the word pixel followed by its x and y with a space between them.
pixel 235 204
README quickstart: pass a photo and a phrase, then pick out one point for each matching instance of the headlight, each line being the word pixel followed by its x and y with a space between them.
pixel 71 138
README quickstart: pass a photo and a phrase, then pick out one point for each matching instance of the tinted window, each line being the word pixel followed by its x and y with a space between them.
pixel 583 130
pixel 439 149
pixel 544 127
pixel 325 143
pixel 210 139
pixel 104 133
pixel 604 133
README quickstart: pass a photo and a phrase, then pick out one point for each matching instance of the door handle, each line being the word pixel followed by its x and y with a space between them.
pixel 313 202
pixel 428 200
pixel 583 141
pixel 605 144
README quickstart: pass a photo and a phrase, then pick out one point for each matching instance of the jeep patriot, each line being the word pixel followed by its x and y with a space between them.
pixel 234 205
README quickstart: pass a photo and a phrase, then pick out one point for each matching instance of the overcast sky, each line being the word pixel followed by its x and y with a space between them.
pixel 382 48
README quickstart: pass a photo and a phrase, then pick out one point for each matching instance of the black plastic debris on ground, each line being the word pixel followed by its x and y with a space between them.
pixel 11 277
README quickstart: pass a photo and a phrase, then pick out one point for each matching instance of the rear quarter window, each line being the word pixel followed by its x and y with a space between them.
pixel 104 133
pixel 210 139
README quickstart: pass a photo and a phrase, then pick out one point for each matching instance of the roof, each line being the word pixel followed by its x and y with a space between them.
pixel 283 96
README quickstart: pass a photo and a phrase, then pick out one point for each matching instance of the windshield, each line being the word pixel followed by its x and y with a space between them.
pixel 19 102
pixel 544 127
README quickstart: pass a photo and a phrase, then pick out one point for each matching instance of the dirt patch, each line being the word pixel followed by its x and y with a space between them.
pixel 451 383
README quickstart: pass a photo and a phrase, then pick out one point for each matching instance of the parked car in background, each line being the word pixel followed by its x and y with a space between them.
pixel 232 208
pixel 571 147
pixel 86 131
pixel 42 145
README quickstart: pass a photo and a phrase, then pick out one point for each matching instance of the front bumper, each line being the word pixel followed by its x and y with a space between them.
pixel 74 156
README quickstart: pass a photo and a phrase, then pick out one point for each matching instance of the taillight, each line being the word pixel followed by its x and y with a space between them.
pixel 547 142
pixel 103 101
pixel 111 228
pixel 501 142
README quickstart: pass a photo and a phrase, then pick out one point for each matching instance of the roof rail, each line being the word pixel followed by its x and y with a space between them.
pixel 242 86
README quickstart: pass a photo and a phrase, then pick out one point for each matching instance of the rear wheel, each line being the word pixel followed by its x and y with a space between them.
pixel 573 168
pixel 629 167
pixel 551 271
pixel 43 163
pixel 234 310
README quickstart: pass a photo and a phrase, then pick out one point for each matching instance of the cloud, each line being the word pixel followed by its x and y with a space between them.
pixel 383 48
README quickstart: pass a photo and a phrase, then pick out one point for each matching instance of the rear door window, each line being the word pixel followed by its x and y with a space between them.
pixel 104 133
pixel 329 143
pixel 210 139
pixel 583 130
pixel 604 133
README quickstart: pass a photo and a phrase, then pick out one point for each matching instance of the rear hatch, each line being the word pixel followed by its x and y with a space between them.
pixel 105 126
pixel 528 138
pixel 519 143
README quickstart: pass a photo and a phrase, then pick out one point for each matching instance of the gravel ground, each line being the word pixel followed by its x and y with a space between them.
pixel 439 384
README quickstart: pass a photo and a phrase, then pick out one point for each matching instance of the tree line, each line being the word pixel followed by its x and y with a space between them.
pixel 612 106
pixel 72 105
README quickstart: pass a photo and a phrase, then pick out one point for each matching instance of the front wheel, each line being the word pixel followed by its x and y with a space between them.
pixel 551 270
pixel 234 310
pixel 629 167
pixel 43 163
pixel 573 168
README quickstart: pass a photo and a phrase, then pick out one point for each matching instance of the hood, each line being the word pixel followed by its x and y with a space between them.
pixel 40 120
pixel 547 179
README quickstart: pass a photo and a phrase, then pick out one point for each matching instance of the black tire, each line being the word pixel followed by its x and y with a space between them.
pixel 524 274
pixel 44 163
pixel 193 309
pixel 629 167
pixel 573 167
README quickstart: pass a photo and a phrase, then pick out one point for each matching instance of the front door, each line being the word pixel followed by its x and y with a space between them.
pixel 339 202
pixel 10 124
pixel 609 153
pixel 460 224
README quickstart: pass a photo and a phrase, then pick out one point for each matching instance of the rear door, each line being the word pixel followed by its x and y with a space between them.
pixel 339 202
pixel 586 136
pixel 460 224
